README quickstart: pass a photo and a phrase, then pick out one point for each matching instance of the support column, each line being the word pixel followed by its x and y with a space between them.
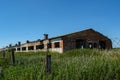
pixel 20 49
pixel 16 49
pixel 27 48
pixel 34 47
pixel 61 46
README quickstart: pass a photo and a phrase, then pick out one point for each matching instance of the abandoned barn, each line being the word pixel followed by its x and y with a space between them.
pixel 83 39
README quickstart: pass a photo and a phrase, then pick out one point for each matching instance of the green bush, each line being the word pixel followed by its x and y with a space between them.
pixel 3 62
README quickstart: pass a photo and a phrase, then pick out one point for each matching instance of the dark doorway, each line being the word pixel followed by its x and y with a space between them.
pixel 102 44
pixel 90 45
pixel 80 43
pixel 95 45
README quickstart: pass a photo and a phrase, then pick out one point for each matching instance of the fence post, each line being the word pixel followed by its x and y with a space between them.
pixel 13 57
pixel 48 63
pixel 48 56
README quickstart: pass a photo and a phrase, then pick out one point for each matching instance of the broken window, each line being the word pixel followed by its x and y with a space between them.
pixel 30 47
pixel 57 44
pixel 40 46
pixel 23 48
pixel 18 49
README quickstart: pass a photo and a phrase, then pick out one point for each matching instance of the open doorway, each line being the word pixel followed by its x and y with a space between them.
pixel 95 45
pixel 80 43
pixel 92 44
pixel 102 44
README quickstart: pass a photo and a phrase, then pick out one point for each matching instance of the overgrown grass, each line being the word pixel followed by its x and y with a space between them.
pixel 79 64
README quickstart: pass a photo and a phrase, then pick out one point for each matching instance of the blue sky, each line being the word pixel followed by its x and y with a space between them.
pixel 22 20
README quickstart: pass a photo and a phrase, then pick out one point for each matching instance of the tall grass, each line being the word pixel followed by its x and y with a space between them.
pixel 79 64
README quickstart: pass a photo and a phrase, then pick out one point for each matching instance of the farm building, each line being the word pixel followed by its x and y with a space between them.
pixel 83 39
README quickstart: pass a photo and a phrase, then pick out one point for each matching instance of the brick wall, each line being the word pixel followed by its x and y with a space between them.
pixel 69 41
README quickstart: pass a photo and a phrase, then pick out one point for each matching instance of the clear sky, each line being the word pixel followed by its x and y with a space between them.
pixel 22 20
